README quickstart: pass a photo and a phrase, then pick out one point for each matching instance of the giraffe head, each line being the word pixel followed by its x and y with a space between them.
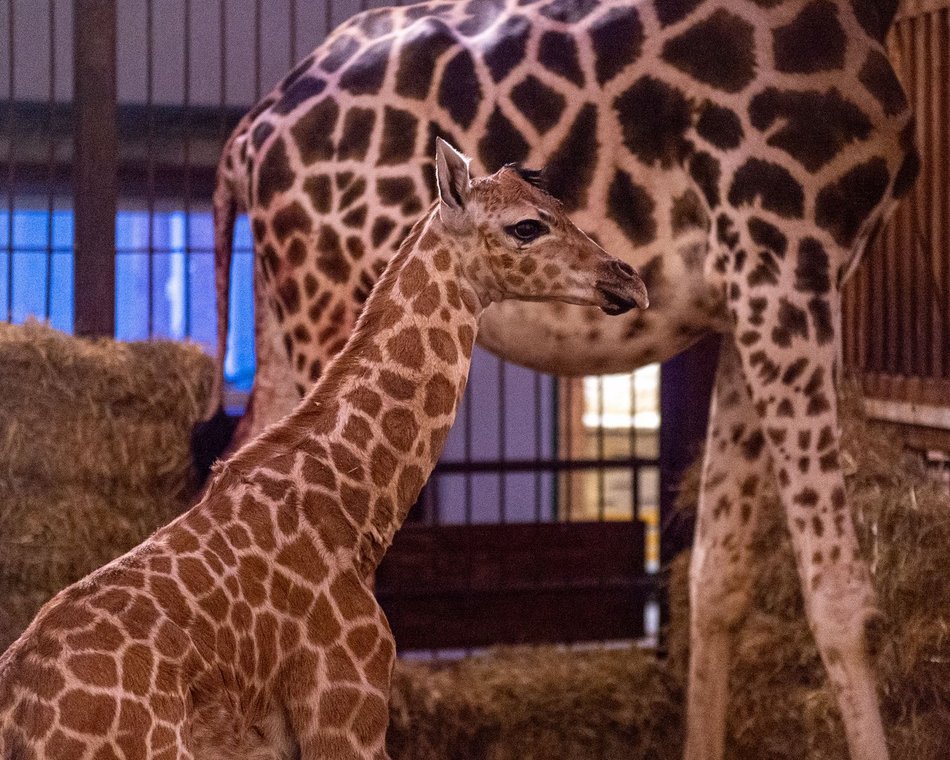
pixel 524 246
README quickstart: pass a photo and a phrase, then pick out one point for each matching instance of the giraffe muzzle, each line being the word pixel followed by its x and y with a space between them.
pixel 622 289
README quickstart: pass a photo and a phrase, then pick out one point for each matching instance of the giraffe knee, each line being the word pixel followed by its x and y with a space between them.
pixel 845 619
pixel 719 600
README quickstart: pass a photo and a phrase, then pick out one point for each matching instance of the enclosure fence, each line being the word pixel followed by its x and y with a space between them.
pixel 541 522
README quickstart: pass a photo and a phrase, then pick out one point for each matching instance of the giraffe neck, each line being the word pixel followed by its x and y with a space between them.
pixel 369 434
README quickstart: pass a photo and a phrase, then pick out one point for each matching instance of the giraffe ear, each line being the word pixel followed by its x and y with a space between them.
pixel 452 178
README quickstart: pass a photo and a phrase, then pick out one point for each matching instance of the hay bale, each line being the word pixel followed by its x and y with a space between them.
pixel 903 524
pixel 94 454
pixel 536 702
pixel 53 536
pixel 86 410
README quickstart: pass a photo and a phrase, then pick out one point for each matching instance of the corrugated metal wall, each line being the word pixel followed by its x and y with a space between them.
pixel 896 310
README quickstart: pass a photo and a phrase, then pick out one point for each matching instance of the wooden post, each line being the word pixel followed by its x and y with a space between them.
pixel 95 162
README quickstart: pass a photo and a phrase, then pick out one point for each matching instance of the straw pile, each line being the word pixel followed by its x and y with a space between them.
pixel 94 454
pixel 781 704
pixel 534 703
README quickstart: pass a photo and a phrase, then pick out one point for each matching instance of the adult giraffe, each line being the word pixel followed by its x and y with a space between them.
pixel 739 153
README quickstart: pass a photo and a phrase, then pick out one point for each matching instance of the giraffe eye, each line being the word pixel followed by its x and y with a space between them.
pixel 527 230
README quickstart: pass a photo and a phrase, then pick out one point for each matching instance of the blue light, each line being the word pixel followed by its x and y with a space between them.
pixel 182 302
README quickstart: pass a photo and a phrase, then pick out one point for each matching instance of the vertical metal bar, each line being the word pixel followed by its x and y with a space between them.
pixel 327 18
pixel 50 162
pixel 223 70
pixel 150 157
pixel 601 452
pixel 569 435
pixel 538 446
pixel 11 161
pixel 186 160
pixel 95 185
pixel 292 40
pixel 632 443
pixel 502 448
pixel 257 49
pixel 467 453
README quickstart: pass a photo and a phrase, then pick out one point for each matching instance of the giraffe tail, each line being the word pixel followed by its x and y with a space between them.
pixel 224 208
pixel 211 435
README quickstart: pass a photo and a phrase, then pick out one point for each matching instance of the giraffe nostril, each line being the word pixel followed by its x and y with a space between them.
pixel 622 268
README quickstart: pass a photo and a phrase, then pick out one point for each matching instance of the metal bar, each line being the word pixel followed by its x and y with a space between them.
pixel 150 158
pixel 292 40
pixel 601 452
pixel 538 445
pixel 569 435
pixel 257 49
pixel 466 454
pixel 50 163
pixel 223 71
pixel 544 465
pixel 11 162
pixel 502 417
pixel 186 160
pixel 95 187
pixel 632 443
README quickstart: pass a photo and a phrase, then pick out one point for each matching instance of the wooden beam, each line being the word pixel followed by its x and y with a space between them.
pixel 95 168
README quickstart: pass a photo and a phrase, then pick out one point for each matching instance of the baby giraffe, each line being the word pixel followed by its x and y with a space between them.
pixel 246 628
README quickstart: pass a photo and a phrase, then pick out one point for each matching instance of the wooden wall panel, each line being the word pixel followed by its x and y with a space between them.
pixel 896 316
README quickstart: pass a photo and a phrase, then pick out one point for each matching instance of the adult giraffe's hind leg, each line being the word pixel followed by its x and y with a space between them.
pixel 787 312
pixel 734 471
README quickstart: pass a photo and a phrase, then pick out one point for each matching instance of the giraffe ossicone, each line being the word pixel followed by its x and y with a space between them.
pixel 245 628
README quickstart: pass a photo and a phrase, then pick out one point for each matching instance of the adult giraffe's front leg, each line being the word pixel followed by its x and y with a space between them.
pixel 735 469
pixel 786 308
